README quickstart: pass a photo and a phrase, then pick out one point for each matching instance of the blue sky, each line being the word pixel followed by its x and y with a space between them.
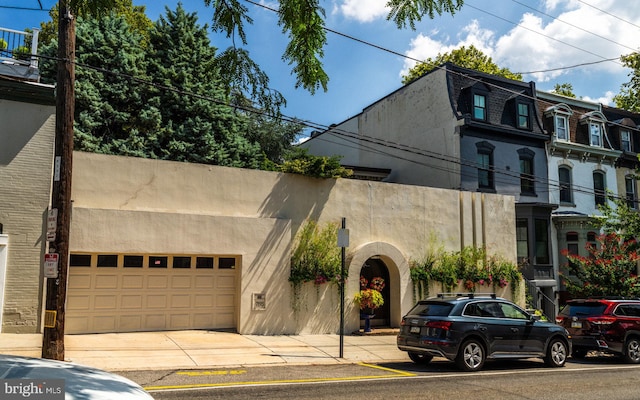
pixel 567 39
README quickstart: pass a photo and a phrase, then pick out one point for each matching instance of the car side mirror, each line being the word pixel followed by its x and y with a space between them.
pixel 533 317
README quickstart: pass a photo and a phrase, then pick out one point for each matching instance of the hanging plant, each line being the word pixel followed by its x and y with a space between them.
pixel 316 257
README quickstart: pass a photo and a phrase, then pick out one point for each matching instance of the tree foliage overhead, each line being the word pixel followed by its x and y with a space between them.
pixel 564 89
pixel 467 57
pixel 629 96
pixel 303 22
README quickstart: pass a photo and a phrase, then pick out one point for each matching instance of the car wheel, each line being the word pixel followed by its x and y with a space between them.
pixel 556 353
pixel 471 356
pixel 420 358
pixel 632 351
pixel 579 353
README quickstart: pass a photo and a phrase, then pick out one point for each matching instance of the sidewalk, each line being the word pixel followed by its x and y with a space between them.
pixel 207 349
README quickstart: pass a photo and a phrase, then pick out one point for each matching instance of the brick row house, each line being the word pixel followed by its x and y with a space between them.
pixel 459 128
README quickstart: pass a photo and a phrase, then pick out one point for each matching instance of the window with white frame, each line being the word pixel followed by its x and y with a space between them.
pixel 625 140
pixel 595 133
pixel 561 127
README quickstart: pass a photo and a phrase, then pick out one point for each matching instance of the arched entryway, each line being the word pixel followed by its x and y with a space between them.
pixel 374 267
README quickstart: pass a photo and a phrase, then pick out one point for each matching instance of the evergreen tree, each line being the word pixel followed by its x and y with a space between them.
pixel 198 125
pixel 112 115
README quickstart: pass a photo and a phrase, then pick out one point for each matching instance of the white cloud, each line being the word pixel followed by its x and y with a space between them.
pixel 607 99
pixel 364 10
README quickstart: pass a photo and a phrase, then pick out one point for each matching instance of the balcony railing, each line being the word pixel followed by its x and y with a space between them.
pixel 536 272
pixel 18 53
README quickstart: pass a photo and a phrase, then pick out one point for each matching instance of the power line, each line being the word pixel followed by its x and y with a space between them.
pixel 608 13
pixel 534 31
pixel 574 26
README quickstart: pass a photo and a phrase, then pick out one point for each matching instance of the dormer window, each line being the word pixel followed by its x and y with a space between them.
pixel 595 134
pixel 480 106
pixel 524 119
pixel 595 124
pixel 559 115
pixel 625 140
pixel 561 127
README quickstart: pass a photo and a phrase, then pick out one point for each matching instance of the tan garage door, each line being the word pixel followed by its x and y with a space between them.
pixel 127 293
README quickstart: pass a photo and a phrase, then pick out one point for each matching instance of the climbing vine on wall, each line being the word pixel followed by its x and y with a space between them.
pixel 316 257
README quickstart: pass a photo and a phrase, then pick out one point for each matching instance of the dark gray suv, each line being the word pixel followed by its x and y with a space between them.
pixel 470 329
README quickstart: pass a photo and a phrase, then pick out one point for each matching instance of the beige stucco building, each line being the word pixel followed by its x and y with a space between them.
pixel 143 231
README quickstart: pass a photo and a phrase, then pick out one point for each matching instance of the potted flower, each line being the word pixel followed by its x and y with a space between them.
pixel 369 298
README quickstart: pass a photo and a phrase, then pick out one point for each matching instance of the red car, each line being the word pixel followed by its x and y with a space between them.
pixel 605 325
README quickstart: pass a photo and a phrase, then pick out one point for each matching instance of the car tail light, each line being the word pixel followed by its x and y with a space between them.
pixel 601 320
pixel 559 319
pixel 444 325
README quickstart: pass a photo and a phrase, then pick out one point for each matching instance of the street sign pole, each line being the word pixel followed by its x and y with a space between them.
pixel 343 243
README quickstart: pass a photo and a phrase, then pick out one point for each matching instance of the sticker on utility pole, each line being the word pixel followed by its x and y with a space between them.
pixel 52 224
pixel 51 265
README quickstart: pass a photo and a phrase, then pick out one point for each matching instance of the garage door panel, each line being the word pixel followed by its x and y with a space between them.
pixel 181 282
pixel 118 299
pixel 105 302
pixel 78 302
pixel 225 282
pixel 157 282
pixel 106 282
pixel 155 321
pixel 131 302
pixel 79 282
pixel 157 301
pixel 130 323
pixel 180 301
pixel 203 301
pixel 204 282
pixel 105 323
pixel 132 281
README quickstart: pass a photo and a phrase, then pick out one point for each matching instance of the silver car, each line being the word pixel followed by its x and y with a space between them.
pixel 25 377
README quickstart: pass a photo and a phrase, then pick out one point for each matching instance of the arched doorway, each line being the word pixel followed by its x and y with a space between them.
pixel 374 267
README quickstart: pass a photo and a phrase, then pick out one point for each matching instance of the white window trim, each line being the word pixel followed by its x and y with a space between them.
pixel 628 134
pixel 4 246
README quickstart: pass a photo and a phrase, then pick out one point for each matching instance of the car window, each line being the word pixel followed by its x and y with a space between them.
pixel 431 309
pixel 630 310
pixel 511 311
pixel 486 309
pixel 584 309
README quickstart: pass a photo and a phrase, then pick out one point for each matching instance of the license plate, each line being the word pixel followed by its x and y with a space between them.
pixel 415 329
pixel 577 324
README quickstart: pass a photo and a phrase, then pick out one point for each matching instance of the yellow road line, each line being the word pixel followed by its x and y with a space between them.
pixel 209 373
pixel 395 374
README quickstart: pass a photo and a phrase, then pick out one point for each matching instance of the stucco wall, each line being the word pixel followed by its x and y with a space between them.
pixel 26 156
pixel 128 204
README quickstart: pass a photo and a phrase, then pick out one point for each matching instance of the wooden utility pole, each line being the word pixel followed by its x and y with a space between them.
pixel 56 295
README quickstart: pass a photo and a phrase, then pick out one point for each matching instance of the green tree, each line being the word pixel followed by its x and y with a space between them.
pixel 197 123
pixel 564 89
pixel 619 218
pixel 134 15
pixel 629 96
pixel 112 116
pixel 610 269
pixel 466 57
pixel 303 22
